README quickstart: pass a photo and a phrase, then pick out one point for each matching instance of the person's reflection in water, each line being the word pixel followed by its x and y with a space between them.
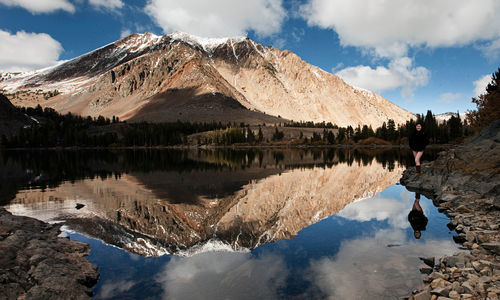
pixel 417 219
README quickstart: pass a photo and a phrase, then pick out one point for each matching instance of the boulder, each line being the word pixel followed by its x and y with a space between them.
pixel 37 264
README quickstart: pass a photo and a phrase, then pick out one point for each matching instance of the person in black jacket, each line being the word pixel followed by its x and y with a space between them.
pixel 416 217
pixel 418 142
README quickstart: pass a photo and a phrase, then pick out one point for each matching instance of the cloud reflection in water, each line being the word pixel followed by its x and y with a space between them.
pixel 367 268
pixel 224 275
pixel 381 266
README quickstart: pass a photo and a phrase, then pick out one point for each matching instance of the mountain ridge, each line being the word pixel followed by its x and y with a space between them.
pixel 128 78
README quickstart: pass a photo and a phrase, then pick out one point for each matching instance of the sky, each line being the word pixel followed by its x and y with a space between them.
pixel 419 54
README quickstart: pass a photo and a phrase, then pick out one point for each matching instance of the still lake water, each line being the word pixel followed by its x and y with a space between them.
pixel 233 224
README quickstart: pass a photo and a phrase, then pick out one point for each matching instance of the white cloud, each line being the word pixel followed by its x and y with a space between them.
pixel 491 50
pixel 224 275
pixel 481 84
pixel 27 51
pixel 400 73
pixel 449 97
pixel 125 32
pixel 338 67
pixel 108 4
pixel 41 6
pixel 279 43
pixel 218 18
pixel 389 28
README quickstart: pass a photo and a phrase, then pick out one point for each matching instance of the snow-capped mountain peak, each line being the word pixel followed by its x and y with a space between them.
pixel 137 42
pixel 446 116
pixel 207 44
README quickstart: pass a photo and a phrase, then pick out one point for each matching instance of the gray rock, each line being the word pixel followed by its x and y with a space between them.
pixel 467 286
pixel 37 264
pixel 496 203
pixel 423 295
pixel 425 270
pixel 454 261
pixel 477 266
pixel 430 261
pixel 441 291
pixel 454 295
pixel 493 247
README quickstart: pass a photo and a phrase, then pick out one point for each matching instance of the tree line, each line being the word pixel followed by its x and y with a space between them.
pixel 53 129
pixel 453 129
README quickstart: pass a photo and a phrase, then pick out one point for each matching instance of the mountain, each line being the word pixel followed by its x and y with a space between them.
pixel 440 118
pixel 11 119
pixel 145 77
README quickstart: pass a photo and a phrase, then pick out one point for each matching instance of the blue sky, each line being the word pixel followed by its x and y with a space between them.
pixel 419 54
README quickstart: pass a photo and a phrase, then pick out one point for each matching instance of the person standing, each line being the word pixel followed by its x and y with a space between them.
pixel 418 142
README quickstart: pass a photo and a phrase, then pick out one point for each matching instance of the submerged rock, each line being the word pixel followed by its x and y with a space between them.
pixel 465 185
pixel 430 261
pixel 37 264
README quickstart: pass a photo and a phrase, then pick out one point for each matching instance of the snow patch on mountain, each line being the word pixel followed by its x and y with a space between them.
pixel 13 81
pixel 363 91
pixel 318 72
pixel 138 42
pixel 21 81
pixel 207 44
pixel 440 118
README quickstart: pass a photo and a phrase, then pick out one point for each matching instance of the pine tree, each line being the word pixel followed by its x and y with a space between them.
pixel 455 127
pixel 260 136
pixel 331 138
pixel 341 135
pixel 250 136
pixel 488 105
pixel 278 135
pixel 391 130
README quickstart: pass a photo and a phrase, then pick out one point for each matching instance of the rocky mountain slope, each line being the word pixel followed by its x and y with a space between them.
pixel 11 119
pixel 179 76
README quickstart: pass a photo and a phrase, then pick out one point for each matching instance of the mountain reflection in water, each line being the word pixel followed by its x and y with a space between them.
pixel 235 199
pixel 242 224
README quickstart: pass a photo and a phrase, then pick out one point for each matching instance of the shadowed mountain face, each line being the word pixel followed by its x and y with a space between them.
pixel 234 200
pixel 10 119
pixel 187 105
pixel 178 76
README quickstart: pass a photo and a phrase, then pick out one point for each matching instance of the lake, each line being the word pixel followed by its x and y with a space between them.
pixel 233 224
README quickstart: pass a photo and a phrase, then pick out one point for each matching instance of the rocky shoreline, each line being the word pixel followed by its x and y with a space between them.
pixel 464 183
pixel 35 263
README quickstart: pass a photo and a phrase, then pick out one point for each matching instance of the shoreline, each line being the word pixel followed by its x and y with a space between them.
pixel 232 147
pixel 464 183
